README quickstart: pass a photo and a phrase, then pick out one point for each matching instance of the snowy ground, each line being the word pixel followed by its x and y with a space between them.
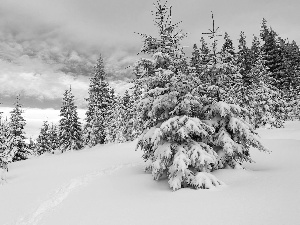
pixel 107 185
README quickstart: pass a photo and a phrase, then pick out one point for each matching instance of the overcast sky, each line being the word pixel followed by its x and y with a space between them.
pixel 47 45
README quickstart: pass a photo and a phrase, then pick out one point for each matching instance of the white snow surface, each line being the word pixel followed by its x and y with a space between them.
pixel 107 185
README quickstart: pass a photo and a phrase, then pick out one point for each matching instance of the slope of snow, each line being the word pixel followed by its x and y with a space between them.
pixel 107 185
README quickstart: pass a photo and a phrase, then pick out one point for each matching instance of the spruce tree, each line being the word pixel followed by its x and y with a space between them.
pixel 200 60
pixel 273 49
pixel 53 135
pixel 204 52
pixel 260 98
pixel 137 128
pixel 128 105
pixel 70 133
pixel 227 48
pixel 117 125
pixel 223 78
pixel 291 55
pixel 233 136
pixel 172 140
pixel 43 141
pixel 244 59
pixel 3 133
pixel 99 102
pixel 291 81
pixel 255 50
pixel 195 59
pixel 6 139
pixel 121 125
pixel 273 55
pixel 17 133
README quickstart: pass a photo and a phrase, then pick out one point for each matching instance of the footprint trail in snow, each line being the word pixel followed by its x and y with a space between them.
pixel 62 193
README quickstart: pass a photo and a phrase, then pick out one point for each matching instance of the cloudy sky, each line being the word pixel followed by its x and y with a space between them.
pixel 48 45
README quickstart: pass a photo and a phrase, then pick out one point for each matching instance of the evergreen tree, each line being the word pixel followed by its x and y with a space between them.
pixel 274 49
pixel 117 125
pixel 99 102
pixel 291 54
pixel 195 59
pixel 70 133
pixel 3 133
pixel 273 55
pixel 244 59
pixel 200 59
pixel 233 136
pixel 53 135
pixel 204 52
pixel 6 139
pixel 137 128
pixel 255 50
pixel 128 105
pixel 121 125
pixel 5 158
pixel 291 81
pixel 224 79
pixel 227 48
pixel 172 140
pixel 264 32
pixel 260 98
pixel 17 133
pixel 43 141
pixel 166 48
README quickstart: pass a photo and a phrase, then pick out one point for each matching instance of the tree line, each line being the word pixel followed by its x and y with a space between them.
pixel 107 120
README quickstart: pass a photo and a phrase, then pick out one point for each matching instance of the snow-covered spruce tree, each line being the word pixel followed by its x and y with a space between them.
pixel 3 133
pixel 260 98
pixel 7 153
pixel 292 66
pixel 172 141
pixel 223 78
pixel 117 125
pixel 273 56
pixel 233 136
pixel 137 123
pixel 43 142
pixel 200 60
pixel 255 50
pixel 244 59
pixel 70 133
pixel 128 103
pixel 290 82
pixel 17 133
pixel 121 125
pixel 99 102
pixel 53 137
pixel 48 139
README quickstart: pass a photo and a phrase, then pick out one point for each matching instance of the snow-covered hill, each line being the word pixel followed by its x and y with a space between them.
pixel 107 185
